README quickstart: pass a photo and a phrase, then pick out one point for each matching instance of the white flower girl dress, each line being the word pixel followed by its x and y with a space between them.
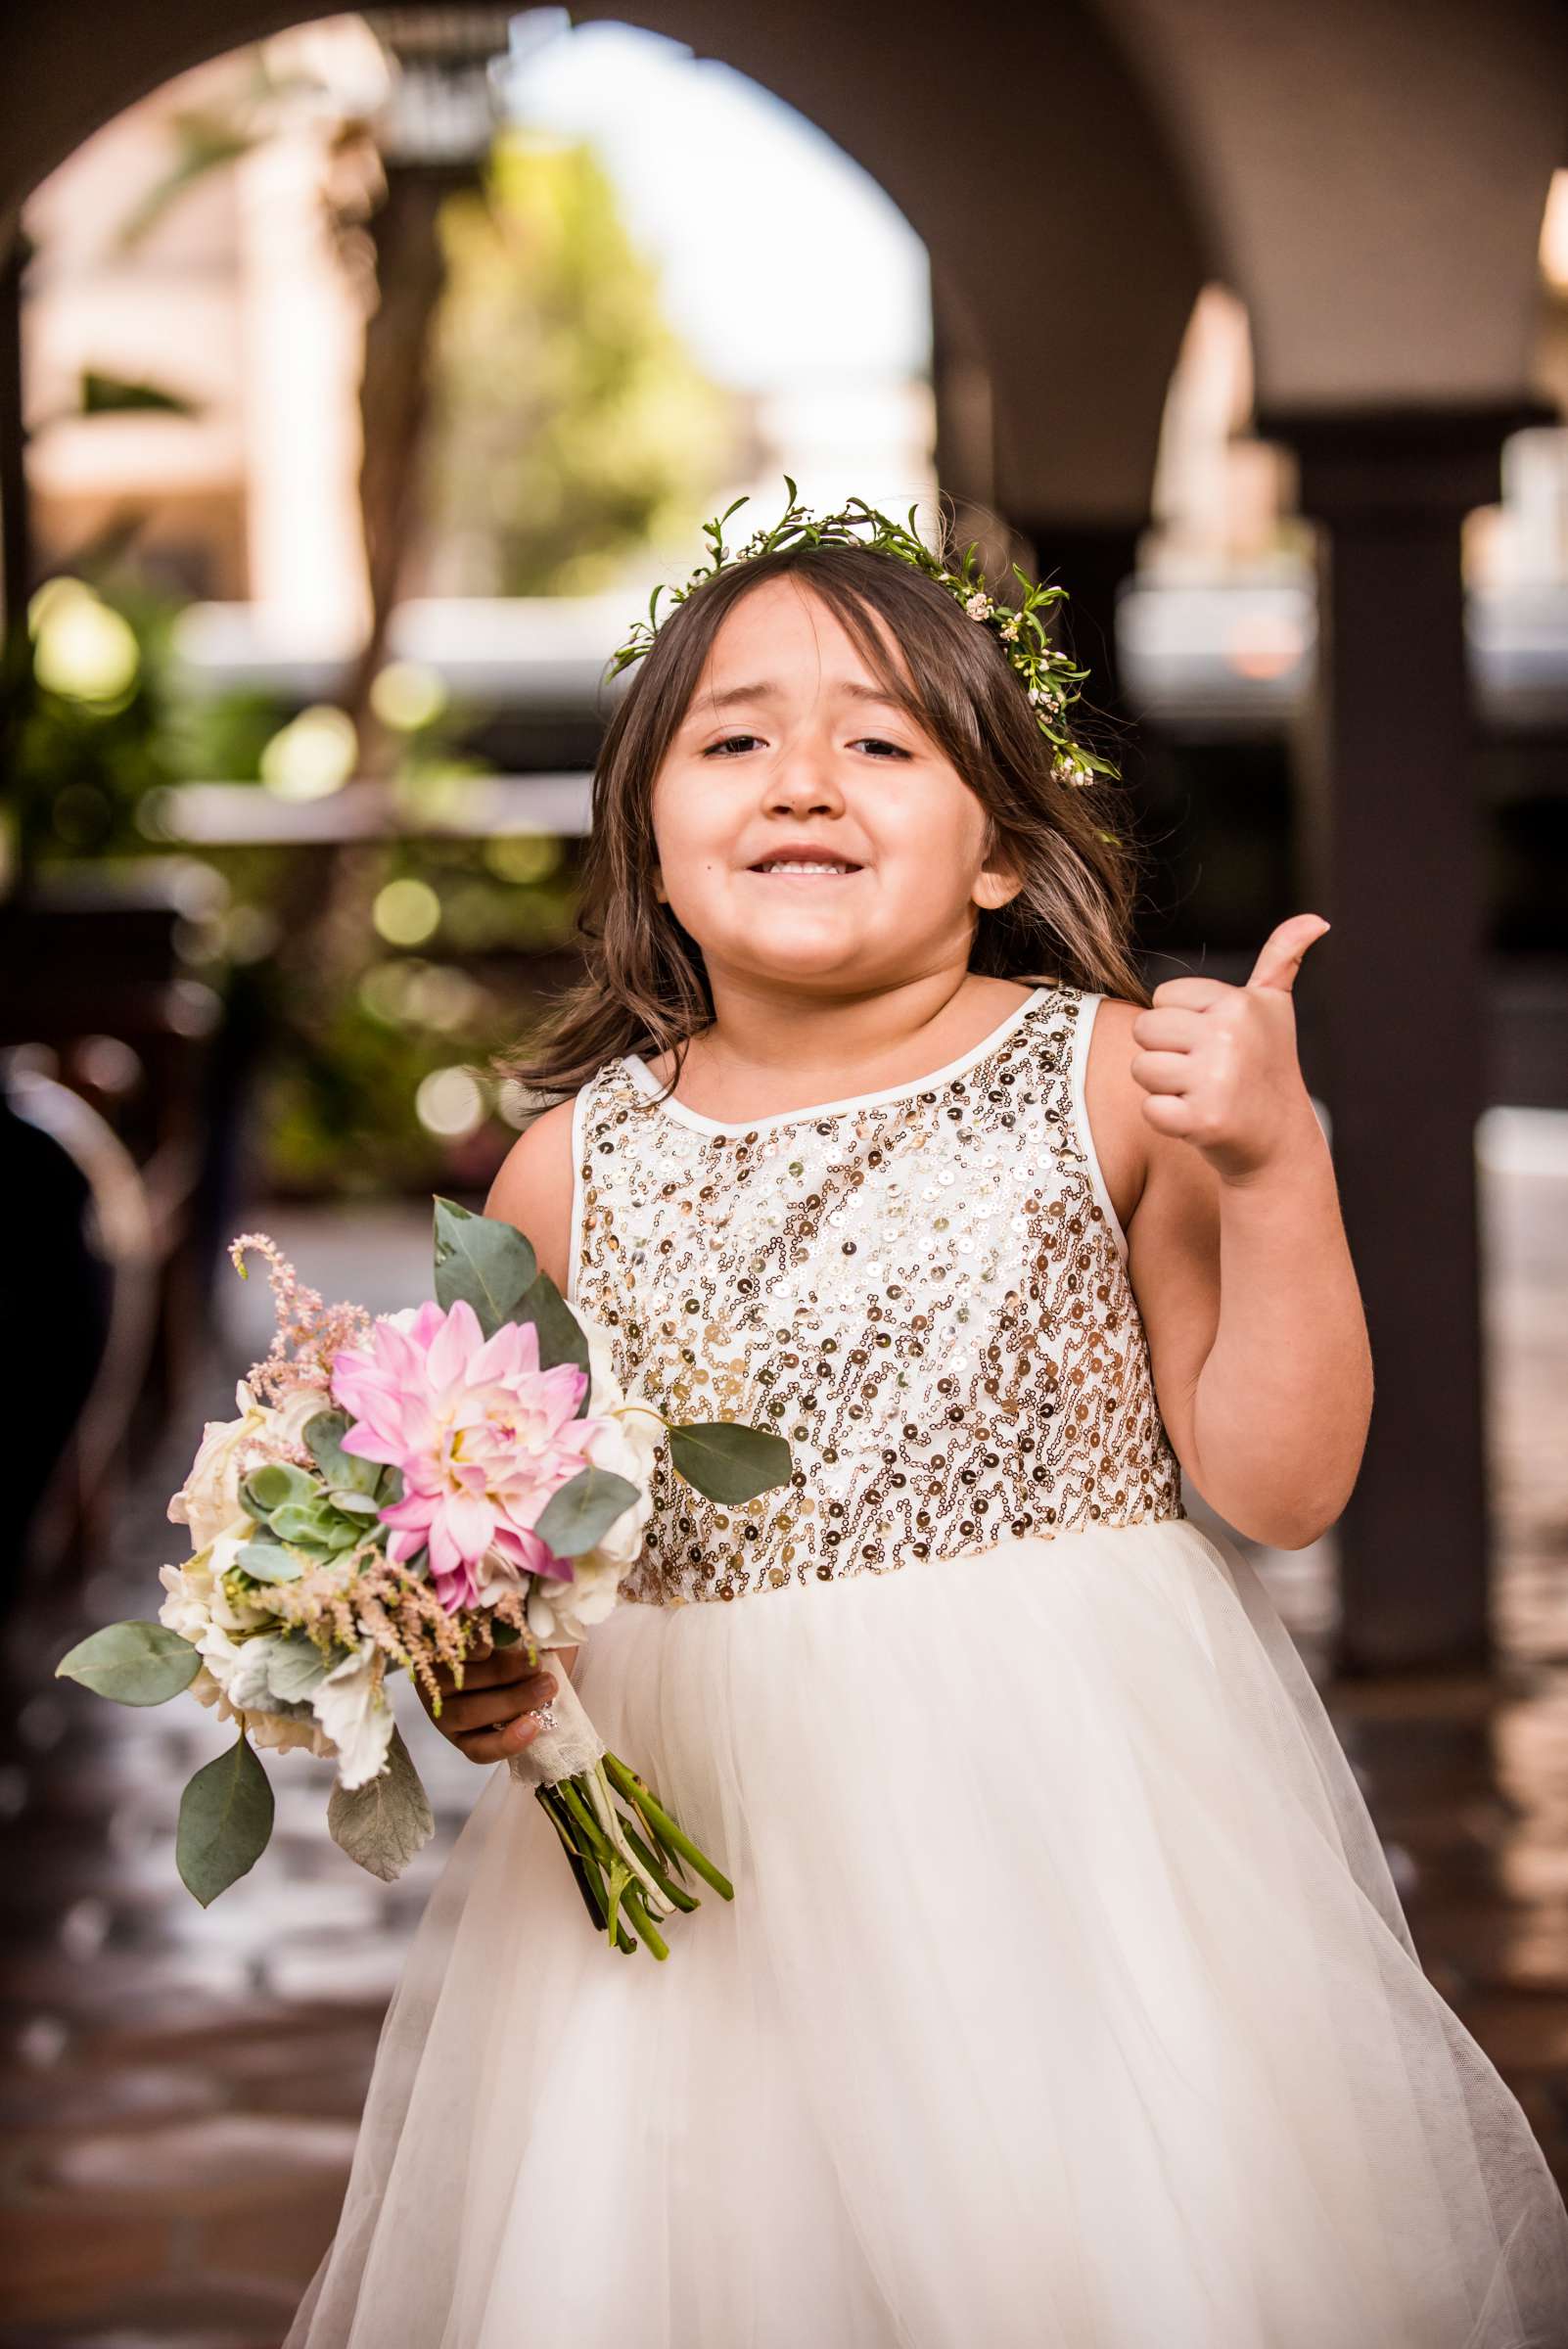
pixel 1066 2001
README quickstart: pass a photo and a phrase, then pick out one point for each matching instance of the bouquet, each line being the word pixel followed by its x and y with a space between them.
pixel 394 1494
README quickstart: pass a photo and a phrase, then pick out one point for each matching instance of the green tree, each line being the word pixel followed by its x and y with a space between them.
pixel 571 425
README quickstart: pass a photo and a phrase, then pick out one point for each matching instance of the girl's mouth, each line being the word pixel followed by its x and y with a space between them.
pixel 830 869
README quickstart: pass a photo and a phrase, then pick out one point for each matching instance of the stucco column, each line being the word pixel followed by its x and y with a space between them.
pixel 1391 851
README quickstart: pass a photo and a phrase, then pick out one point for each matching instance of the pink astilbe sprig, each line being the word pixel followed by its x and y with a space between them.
pixel 309 1332
pixel 483 1439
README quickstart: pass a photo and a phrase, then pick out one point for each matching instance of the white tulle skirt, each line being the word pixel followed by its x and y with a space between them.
pixel 1065 2001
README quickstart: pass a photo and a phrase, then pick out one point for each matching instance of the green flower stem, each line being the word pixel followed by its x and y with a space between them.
pixel 592 1876
pixel 610 1826
pixel 646 1808
pixel 668 1858
pixel 631 1902
pixel 586 1826
pixel 574 1857
pixel 670 1890
pixel 673 1837
pixel 591 1840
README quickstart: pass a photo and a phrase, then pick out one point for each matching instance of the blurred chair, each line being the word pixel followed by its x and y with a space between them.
pixel 117 1138
pixel 85 1281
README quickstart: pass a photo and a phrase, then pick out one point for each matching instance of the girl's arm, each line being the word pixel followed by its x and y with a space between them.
pixel 494 1716
pixel 1236 1246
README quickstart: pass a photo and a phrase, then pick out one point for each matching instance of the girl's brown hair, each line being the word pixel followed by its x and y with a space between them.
pixel 645 988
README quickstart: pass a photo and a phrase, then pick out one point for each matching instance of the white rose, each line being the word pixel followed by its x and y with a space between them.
pixel 558 1613
pixel 208 1500
pixel 350 1705
pixel 286 1421
pixel 188 1607
pixel 626 1446
pixel 219 1653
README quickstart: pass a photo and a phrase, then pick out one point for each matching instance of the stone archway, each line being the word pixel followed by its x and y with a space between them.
pixel 1370 180
pixel 1058 215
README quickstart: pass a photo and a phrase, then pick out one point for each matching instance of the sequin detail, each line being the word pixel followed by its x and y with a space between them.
pixel 922 1293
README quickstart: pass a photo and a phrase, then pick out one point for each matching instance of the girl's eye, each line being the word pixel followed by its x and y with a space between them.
pixel 717 749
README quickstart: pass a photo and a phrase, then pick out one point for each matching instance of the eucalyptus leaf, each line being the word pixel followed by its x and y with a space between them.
pixel 728 1461
pixel 225 1820
pixel 384 1823
pixel 345 1471
pixel 581 1513
pixel 560 1333
pixel 277 1485
pixel 133 1663
pixel 269 1562
pixel 481 1260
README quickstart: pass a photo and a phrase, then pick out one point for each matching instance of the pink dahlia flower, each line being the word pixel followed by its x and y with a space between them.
pixel 483 1437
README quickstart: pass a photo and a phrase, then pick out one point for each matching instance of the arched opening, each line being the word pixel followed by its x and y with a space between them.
pixel 371 386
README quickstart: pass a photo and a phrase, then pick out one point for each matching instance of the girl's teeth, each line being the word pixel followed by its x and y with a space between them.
pixel 806 868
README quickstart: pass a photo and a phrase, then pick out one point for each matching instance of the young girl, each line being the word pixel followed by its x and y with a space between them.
pixel 1066 2000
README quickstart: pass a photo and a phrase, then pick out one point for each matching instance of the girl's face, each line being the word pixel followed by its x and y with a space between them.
pixel 806 829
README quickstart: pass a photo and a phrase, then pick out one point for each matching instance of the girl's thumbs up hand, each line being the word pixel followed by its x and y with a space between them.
pixel 1218 1063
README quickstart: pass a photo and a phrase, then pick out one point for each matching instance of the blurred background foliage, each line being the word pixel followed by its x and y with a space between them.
pixel 565 429
pixel 375 1082
pixel 571 427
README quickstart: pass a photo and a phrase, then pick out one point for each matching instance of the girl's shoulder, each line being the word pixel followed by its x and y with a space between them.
pixel 533 1188
pixel 1120 1134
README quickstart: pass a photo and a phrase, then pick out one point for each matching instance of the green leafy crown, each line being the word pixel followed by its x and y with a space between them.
pixel 1048 675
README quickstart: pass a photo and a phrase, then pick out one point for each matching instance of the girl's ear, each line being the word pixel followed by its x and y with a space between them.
pixel 996 883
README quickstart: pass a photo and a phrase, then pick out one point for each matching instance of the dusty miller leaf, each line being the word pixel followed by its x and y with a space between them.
pixel 383 1825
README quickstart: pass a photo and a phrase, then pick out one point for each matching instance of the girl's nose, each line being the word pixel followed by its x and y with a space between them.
pixel 805 785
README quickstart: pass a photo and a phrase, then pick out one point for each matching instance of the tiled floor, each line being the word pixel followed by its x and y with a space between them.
pixel 179 2091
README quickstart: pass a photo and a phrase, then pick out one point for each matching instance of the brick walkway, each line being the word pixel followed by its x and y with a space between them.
pixel 180 2091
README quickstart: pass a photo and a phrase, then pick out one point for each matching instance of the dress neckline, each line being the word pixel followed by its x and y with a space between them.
pixel 987 1049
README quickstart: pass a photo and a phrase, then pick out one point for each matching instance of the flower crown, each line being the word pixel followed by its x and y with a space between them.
pixel 1049 677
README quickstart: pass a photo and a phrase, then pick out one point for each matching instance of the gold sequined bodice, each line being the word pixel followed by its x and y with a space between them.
pixel 925 1290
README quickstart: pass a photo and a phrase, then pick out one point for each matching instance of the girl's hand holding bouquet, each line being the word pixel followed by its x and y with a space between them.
pixel 426 1491
pixel 496 1711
